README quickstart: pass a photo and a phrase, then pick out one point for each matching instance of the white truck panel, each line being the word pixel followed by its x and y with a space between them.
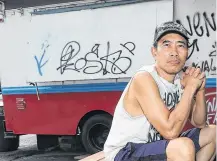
pixel 199 18
pixel 33 36
pixel 22 38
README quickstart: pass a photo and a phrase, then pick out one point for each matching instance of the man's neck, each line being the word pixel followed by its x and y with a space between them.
pixel 169 77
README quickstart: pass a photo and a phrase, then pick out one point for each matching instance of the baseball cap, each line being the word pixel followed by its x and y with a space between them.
pixel 169 27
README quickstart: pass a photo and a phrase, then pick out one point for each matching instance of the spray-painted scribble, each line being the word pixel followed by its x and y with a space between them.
pixel 70 50
pixel 196 27
pixel 200 26
pixel 117 62
pixel 211 107
pixel 40 62
pixel 208 65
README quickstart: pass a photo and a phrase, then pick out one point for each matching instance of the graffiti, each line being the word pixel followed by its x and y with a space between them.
pixel 208 65
pixel 92 63
pixel 70 50
pixel 41 63
pixel 211 108
pixel 195 26
pixel 213 52
pixel 193 46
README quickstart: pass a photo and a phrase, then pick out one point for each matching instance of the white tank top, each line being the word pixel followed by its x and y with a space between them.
pixel 126 128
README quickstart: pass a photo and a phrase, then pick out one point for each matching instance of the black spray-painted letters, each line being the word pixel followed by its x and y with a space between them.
pixel 117 62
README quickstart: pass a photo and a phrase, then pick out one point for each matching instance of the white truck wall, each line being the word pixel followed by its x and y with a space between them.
pixel 95 44
pixel 18 46
pixel 38 41
pixel 13 51
pixel 199 18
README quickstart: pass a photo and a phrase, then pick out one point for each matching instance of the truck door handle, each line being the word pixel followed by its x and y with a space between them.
pixel 36 87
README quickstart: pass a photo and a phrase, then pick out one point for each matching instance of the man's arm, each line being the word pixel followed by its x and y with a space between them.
pixel 169 125
pixel 198 115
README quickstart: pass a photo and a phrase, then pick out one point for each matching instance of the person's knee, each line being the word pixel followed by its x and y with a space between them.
pixel 213 133
pixel 187 147
pixel 182 147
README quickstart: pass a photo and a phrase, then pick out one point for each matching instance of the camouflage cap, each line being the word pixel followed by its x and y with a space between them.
pixel 169 27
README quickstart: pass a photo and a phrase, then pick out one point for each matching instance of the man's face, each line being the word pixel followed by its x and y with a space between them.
pixel 171 53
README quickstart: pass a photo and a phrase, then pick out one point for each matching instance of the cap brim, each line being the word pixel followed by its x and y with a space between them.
pixel 171 31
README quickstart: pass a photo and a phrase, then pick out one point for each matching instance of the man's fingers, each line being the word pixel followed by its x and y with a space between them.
pixel 202 76
pixel 196 72
pixel 192 69
pixel 187 70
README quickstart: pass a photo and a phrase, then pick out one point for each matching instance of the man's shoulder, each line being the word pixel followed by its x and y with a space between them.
pixel 147 68
pixel 143 78
pixel 145 73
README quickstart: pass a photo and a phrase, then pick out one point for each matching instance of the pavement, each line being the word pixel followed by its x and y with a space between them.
pixel 28 152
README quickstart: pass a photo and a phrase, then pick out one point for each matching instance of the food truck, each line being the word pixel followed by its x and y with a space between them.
pixel 64 66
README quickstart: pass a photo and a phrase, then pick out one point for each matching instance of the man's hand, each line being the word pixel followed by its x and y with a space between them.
pixel 194 78
pixel 196 73
pixel 198 114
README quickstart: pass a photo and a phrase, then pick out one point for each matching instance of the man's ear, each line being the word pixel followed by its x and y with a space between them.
pixel 154 51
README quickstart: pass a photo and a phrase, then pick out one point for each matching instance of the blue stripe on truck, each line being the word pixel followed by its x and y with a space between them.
pixel 211 83
pixel 94 87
